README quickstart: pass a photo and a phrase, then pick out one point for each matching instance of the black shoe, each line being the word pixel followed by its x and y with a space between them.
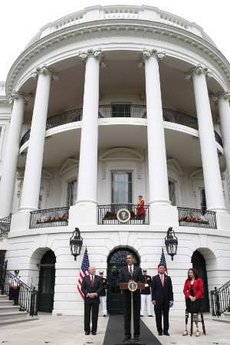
pixel 94 332
pixel 141 315
pixel 159 333
pixel 104 315
pixel 87 332
pixel 167 333
pixel 127 337
pixel 150 315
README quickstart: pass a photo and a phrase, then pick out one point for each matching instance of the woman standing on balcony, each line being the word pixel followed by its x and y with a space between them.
pixel 140 209
pixel 193 291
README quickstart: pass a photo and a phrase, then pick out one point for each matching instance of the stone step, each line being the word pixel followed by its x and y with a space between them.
pixel 227 315
pixel 12 315
pixel 3 297
pixel 8 308
pixel 15 320
pixel 6 302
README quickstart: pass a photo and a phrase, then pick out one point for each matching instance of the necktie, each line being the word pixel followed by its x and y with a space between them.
pixel 131 271
pixel 92 279
pixel 162 279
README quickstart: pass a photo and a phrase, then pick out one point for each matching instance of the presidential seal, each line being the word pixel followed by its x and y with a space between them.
pixel 132 285
pixel 123 215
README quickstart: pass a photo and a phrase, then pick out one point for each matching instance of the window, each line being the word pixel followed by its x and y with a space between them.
pixel 203 204
pixel 172 195
pixel 120 110
pixel 71 192
pixel 121 187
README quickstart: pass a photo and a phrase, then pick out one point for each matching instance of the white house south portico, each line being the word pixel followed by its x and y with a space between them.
pixel 109 103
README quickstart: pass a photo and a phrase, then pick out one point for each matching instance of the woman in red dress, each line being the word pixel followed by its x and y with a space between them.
pixel 140 209
pixel 194 293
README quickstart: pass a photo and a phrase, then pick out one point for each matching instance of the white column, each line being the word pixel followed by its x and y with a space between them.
pixel 224 112
pixel 33 168
pixel 87 174
pixel 11 155
pixel 157 161
pixel 209 156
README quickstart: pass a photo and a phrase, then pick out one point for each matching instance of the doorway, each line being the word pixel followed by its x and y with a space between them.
pixel 46 282
pixel 116 260
pixel 198 262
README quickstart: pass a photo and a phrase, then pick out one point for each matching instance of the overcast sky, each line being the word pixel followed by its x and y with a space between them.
pixel 20 20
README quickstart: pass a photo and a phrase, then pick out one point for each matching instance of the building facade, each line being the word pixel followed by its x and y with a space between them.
pixel 103 105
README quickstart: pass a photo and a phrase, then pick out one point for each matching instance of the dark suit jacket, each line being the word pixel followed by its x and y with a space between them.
pixel 87 287
pixel 125 276
pixel 162 294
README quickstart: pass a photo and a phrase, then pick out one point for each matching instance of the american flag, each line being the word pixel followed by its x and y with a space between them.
pixel 83 272
pixel 163 260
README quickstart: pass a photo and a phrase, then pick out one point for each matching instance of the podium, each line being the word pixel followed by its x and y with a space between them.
pixel 132 286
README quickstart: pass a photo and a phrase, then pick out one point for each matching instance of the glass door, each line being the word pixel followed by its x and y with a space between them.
pixel 121 187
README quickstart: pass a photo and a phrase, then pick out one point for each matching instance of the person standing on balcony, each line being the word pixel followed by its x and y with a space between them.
pixel 146 295
pixel 140 209
pixel 103 296
pixel 14 287
pixel 91 287
pixel 194 293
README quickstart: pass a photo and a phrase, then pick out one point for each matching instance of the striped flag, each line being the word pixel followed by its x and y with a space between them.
pixel 163 260
pixel 83 272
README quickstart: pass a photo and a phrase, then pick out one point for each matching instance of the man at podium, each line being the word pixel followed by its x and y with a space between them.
pixel 127 273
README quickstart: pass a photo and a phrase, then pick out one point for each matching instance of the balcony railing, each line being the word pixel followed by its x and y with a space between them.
pixel 220 299
pixel 5 225
pixel 108 214
pixel 196 218
pixel 50 217
pixel 126 111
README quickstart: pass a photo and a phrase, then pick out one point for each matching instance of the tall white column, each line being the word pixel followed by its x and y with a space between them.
pixel 33 168
pixel 157 161
pixel 209 156
pixel 87 174
pixel 11 155
pixel 224 112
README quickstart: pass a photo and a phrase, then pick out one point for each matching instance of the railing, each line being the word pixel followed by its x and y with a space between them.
pixel 57 120
pixel 196 218
pixel 108 214
pixel 5 225
pixel 220 299
pixel 58 216
pixel 28 296
pixel 121 12
pixel 125 111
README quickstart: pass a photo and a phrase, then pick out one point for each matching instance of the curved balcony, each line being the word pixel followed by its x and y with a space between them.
pixel 121 111
pixel 52 217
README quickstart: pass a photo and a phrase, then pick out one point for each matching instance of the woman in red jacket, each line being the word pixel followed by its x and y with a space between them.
pixel 140 209
pixel 194 293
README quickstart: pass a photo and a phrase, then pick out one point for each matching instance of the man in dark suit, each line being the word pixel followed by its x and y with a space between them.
pixel 127 273
pixel 162 299
pixel 91 287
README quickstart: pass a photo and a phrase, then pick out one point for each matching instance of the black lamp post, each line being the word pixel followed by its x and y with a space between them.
pixel 171 242
pixel 75 243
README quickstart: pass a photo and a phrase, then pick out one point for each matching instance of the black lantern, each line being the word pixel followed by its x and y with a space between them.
pixel 171 242
pixel 75 243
